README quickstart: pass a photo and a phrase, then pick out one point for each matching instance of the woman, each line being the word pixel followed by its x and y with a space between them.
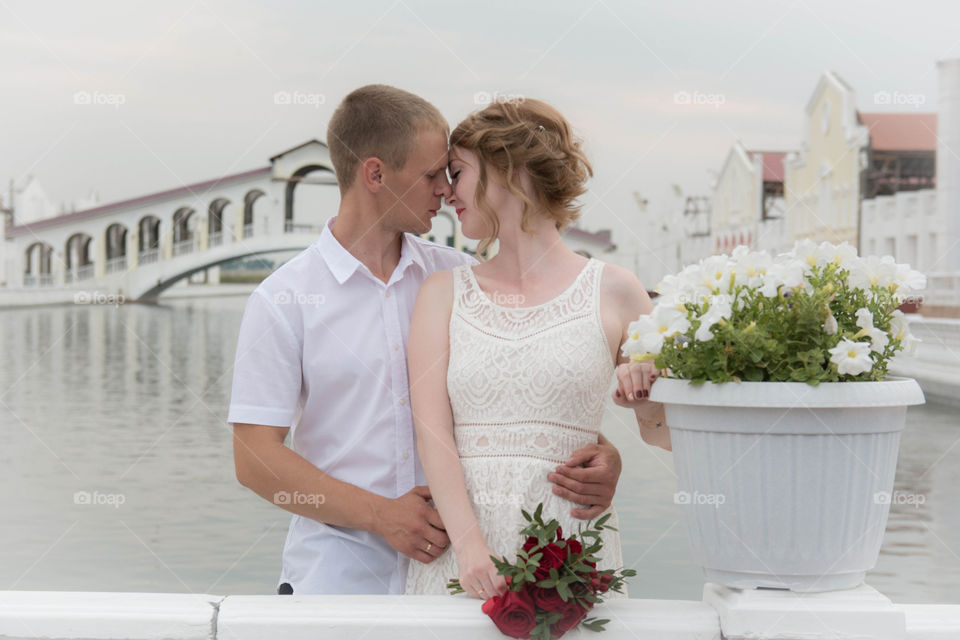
pixel 510 361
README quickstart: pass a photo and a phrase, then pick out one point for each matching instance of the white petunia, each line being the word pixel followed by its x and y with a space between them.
pixel 716 272
pixel 878 339
pixel 851 357
pixel 720 308
pixel 751 266
pixel 807 253
pixel 642 338
pixel 872 271
pixel 843 255
pixel 908 280
pixel 900 329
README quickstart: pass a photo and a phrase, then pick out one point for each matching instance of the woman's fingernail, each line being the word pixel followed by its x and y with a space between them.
pixel 630 397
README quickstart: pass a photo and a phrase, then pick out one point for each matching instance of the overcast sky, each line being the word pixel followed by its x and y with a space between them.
pixel 197 80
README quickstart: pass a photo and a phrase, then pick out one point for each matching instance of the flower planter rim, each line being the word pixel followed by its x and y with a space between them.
pixel 891 392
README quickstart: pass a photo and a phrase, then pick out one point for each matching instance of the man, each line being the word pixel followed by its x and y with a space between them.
pixel 322 350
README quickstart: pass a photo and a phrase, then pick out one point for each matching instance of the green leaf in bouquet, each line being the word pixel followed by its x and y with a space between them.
pixel 526 515
pixel 594 624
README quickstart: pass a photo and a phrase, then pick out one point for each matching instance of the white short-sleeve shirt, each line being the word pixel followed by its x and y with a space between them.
pixel 322 349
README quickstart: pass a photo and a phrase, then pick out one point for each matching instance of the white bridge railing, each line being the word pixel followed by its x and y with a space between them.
pixel 729 614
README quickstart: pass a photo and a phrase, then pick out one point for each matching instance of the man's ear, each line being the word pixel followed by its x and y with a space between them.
pixel 371 172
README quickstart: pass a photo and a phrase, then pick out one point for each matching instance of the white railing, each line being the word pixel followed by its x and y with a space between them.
pixel 149 256
pixel 943 289
pixel 29 280
pixel 248 230
pixel 184 246
pixel 116 264
pixel 722 613
pixel 216 239
pixel 290 227
pixel 85 272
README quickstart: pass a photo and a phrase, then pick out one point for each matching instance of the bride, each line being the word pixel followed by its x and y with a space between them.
pixel 510 361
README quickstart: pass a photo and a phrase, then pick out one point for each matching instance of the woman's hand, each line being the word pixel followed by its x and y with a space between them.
pixel 634 380
pixel 478 575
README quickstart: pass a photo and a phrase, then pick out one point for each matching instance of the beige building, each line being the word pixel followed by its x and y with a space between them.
pixel 822 180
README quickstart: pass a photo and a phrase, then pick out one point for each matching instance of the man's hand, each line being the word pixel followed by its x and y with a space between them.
pixel 411 526
pixel 592 484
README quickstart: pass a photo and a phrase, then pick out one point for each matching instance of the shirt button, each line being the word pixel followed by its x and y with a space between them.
pixel 387 294
pixel 396 347
pixel 403 402
pixel 406 454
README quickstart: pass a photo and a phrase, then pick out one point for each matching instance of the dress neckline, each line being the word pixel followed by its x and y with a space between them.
pixel 565 292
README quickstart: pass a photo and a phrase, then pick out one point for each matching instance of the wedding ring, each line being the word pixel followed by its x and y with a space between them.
pixel 429 546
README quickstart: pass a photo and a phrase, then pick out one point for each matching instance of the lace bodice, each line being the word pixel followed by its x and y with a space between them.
pixel 527 388
pixel 527 381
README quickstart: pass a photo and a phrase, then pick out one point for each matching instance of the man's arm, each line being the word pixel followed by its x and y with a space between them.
pixel 280 475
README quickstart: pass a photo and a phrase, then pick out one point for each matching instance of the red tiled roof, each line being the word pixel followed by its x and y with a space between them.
pixel 772 164
pixel 901 131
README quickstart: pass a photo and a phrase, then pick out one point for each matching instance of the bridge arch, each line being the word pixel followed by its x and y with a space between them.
pixel 248 200
pixel 38 267
pixel 77 258
pixel 115 238
pixel 298 176
pixel 183 230
pixel 148 239
pixel 215 222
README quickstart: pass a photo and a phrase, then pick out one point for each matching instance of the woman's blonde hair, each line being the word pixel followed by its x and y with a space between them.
pixel 530 136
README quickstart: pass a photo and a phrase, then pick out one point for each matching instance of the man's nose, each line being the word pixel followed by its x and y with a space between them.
pixel 446 190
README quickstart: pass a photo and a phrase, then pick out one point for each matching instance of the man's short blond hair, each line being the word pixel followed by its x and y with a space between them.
pixel 378 121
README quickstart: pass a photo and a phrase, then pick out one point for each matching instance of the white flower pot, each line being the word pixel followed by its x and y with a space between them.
pixel 786 485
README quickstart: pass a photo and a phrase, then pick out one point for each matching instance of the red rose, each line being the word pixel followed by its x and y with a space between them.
pixel 531 542
pixel 513 613
pixel 573 546
pixel 548 599
pixel 553 557
pixel 573 613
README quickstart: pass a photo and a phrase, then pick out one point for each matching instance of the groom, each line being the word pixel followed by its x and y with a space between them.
pixel 322 350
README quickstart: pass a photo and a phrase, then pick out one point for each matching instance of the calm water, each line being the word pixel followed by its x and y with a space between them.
pixel 128 404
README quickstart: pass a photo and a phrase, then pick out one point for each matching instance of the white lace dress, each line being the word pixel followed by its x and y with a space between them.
pixel 527 387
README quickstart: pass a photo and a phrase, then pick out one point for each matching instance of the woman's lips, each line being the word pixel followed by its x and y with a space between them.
pixel 460 211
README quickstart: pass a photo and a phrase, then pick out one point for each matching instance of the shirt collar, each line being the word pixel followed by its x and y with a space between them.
pixel 343 264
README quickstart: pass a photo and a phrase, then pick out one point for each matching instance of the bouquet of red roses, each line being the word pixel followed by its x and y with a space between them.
pixel 553 583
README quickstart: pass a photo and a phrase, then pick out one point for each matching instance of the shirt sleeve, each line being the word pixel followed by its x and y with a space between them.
pixel 267 371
